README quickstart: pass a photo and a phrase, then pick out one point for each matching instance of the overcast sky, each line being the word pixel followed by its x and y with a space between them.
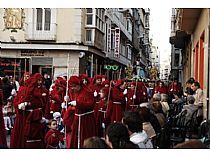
pixel 160 28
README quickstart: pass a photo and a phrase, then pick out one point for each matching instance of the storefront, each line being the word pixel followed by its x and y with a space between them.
pixel 14 66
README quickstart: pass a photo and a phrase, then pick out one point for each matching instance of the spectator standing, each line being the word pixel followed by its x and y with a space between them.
pixel 117 137
pixel 138 136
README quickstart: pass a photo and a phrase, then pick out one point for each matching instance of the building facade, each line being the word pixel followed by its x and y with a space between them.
pixel 69 41
pixel 190 36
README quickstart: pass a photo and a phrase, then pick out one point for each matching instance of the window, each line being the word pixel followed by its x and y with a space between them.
pixel 88 35
pixel 89 19
pixel 39 19
pixel 89 16
pixel 112 39
pixel 89 10
pixel 47 19
pixel 100 19
pixel 43 19
pixel 128 49
pixel 176 60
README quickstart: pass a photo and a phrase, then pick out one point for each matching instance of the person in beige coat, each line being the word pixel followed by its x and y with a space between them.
pixel 198 95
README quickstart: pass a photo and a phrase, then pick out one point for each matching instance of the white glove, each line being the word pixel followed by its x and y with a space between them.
pixel 134 96
pixel 13 92
pixel 44 94
pixel 95 93
pixel 144 93
pixel 126 99
pixel 66 98
pixel 74 103
pixel 63 105
pixel 22 105
pixel 171 90
pixel 44 120
pixel 125 92
pixel 103 125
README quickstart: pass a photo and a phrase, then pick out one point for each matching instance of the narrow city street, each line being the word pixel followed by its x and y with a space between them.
pixel 104 78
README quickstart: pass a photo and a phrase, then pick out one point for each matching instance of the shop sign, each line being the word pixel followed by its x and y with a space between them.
pixel 111 67
pixel 117 43
pixel 109 40
pixel 32 53
pixel 10 64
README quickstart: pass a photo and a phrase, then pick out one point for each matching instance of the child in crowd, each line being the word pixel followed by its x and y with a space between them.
pixel 7 120
pixel 53 136
pixel 8 115
pixel 57 117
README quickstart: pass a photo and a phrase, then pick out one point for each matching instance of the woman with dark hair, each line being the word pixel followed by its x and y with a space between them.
pixel 95 143
pixel 117 137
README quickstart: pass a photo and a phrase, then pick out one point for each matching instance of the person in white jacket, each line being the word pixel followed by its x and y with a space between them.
pixel 134 124
pixel 198 95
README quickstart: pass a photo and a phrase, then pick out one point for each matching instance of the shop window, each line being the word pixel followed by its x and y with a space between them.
pixel 11 66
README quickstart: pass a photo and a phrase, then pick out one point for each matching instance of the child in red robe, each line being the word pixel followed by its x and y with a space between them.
pixel 53 136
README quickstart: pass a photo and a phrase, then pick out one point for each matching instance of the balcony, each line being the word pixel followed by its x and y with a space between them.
pixel 186 21
pixel 41 32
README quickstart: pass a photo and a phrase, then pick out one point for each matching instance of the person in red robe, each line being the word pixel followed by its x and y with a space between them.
pixel 17 139
pixel 35 109
pixel 161 88
pixel 53 136
pixel 117 103
pixel 57 95
pixel 25 76
pixel 133 97
pixel 85 80
pixel 101 110
pixel 79 117
pixel 142 92
pixel 3 141
pixel 174 87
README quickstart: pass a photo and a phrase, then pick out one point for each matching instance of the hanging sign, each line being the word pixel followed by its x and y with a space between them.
pixel 117 43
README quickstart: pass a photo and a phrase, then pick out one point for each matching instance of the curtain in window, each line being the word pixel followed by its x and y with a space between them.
pixel 47 19
pixel 39 19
